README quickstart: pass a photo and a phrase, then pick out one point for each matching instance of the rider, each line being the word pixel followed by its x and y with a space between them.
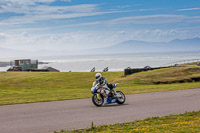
pixel 102 82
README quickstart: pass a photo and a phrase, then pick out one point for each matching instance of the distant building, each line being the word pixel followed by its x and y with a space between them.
pixel 23 65
pixel 29 65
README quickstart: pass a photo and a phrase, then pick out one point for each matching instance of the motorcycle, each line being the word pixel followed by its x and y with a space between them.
pixel 102 95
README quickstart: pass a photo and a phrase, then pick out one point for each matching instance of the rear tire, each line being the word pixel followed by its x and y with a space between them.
pixel 98 102
pixel 121 99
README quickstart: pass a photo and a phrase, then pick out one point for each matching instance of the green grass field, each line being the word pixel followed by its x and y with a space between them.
pixel 188 122
pixel 27 87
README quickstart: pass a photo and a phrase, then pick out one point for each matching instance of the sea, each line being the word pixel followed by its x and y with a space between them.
pixel 114 62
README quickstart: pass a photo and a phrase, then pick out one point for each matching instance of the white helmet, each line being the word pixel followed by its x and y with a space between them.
pixel 98 76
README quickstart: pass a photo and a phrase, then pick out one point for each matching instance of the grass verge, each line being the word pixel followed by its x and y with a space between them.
pixel 188 122
pixel 28 87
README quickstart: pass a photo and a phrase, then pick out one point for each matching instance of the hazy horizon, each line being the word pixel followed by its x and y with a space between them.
pixel 115 62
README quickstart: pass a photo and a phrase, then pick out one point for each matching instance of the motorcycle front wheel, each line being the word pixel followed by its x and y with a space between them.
pixel 98 101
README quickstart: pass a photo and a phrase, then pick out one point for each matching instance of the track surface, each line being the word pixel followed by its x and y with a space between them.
pixel 48 117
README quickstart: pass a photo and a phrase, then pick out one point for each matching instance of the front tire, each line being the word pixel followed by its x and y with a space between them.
pixel 98 102
pixel 122 97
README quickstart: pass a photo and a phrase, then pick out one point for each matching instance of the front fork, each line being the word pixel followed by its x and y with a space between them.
pixel 98 95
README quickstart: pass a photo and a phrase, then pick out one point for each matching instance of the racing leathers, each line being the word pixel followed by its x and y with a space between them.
pixel 104 84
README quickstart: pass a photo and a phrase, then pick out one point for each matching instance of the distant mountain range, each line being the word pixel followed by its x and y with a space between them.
pixel 130 46
pixel 133 46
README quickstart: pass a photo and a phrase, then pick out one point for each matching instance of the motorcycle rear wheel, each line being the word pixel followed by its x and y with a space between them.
pixel 122 98
pixel 96 101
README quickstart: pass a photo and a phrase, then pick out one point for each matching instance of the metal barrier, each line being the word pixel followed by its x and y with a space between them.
pixel 129 70
pixel 181 62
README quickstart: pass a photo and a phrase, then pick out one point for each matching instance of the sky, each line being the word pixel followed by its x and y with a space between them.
pixel 86 24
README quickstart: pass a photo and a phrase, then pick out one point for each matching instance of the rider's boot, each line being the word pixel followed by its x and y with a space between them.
pixel 115 93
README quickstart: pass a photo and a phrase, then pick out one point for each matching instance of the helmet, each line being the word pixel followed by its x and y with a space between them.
pixel 98 76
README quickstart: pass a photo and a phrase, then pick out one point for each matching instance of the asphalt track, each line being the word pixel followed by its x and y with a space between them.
pixel 48 117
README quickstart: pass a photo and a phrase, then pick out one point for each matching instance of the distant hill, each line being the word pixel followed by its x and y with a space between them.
pixel 138 46
pixel 130 46
pixel 185 45
pixel 133 46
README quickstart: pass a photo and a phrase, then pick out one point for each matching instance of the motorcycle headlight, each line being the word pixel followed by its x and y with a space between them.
pixel 93 90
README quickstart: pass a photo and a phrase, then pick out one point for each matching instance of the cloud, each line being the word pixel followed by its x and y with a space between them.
pixel 26 12
pixel 2 37
pixel 46 12
pixel 90 39
pixel 188 9
pixel 20 6
pixel 21 28
pixel 193 19
pixel 34 7
pixel 31 12
pixel 66 0
pixel 42 13
pixel 17 3
pixel 127 6
pixel 149 19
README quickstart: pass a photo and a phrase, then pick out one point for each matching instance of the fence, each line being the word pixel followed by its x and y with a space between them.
pixel 129 71
pixel 181 62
